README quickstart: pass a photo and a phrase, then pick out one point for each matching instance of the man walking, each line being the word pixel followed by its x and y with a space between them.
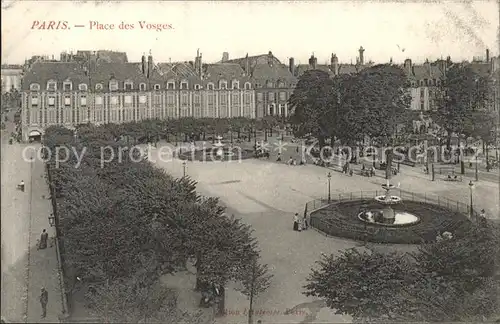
pixel 43 240
pixel 44 299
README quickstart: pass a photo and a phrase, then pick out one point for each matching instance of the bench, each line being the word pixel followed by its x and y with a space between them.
pixel 453 178
pixel 446 170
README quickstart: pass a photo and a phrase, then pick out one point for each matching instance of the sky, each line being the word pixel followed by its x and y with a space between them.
pixel 297 29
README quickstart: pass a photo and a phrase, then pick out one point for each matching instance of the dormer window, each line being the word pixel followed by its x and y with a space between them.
pixel 281 84
pixel 51 86
pixel 157 87
pixel 34 87
pixel 248 86
pixel 222 85
pixel 98 86
pixel 113 85
pixel 184 85
pixel 129 85
pixel 82 87
pixel 67 86
pixel 197 87
pixel 236 84
pixel 210 86
pixel 142 87
pixel 269 84
pixel 421 83
pixel 170 85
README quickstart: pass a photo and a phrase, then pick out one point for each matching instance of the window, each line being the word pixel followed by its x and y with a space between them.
pixel 269 84
pixel 34 87
pixel 421 83
pixel 422 106
pixel 433 82
pixel 236 84
pixel 270 96
pixel 113 85
pixel 426 82
pixel 128 100
pixel 210 86
pixel 248 86
pixel 98 100
pixel 83 100
pixel 258 85
pixel 281 84
pixel 114 100
pixel 236 98
pixel 197 87
pixel 184 85
pixel 142 87
pixel 197 99
pixel 82 87
pixel 282 96
pixel 170 85
pixel 129 86
pixel 51 101
pixel 222 85
pixel 157 87
pixel 260 97
pixel 51 86
pixel 142 99
pixel 170 99
pixel 413 84
pixel 67 86
pixel 211 99
pixel 67 101
pixel 98 86
pixel 34 101
pixel 157 99
pixel 223 99
pixel 184 99
pixel 248 98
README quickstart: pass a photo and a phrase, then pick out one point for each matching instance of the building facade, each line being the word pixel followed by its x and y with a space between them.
pixel 11 77
pixel 71 93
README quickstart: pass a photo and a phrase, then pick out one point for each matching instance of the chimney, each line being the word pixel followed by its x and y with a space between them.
pixel 291 65
pixel 487 55
pixel 427 64
pixel 361 56
pixel 150 64
pixel 270 58
pixel 334 64
pixel 247 65
pixel 408 66
pixel 225 57
pixel 143 64
pixel 200 67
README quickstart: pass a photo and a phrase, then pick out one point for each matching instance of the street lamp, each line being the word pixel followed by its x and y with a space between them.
pixel 184 168
pixel 329 186
pixel 471 185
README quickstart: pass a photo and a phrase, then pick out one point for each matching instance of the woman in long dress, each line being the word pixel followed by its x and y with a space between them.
pixel 296 222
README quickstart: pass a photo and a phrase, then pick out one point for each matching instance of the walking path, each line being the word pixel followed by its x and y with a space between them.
pixel 24 215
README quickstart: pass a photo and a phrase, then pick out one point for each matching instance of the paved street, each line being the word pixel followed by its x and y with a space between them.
pixel 24 215
pixel 267 194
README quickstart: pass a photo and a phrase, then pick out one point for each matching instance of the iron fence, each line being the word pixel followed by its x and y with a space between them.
pixel 405 195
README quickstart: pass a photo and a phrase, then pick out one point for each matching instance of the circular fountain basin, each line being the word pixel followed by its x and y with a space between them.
pixel 387 187
pixel 391 201
pixel 401 218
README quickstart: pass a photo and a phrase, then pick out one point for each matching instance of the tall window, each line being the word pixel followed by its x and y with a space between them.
pixel 34 101
pixel 170 99
pixel 271 96
pixel 157 99
pixel 51 101
pixel 142 99
pixel 248 98
pixel 114 100
pixel 67 101
pixel 260 97
pixel 83 101
pixel 98 100
pixel 184 99
pixel 282 96
pixel 128 100
pixel 236 98
pixel 248 86
pixel 223 99
pixel 211 99
pixel 197 99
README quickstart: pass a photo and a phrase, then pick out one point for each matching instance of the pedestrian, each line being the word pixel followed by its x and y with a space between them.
pixel 21 185
pixel 43 240
pixel 483 213
pixel 297 149
pixel 44 299
pixel 305 225
pixel 279 158
pixel 296 222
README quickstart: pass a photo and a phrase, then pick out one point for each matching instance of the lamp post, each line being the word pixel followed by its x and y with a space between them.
pixel 329 186
pixel 471 185
pixel 184 168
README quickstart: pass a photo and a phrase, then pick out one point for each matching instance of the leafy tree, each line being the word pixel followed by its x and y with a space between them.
pixel 256 279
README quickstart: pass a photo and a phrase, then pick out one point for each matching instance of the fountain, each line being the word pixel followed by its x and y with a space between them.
pixel 219 146
pixel 387 216
pixel 218 151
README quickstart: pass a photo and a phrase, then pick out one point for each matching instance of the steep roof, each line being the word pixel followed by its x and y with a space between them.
pixel 481 68
pixel 274 72
pixel 104 72
pixel 41 72
pixel 12 67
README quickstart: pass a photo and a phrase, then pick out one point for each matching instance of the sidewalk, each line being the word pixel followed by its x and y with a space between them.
pixel 43 264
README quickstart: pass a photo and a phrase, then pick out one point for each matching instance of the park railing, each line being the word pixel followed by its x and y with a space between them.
pixel 405 195
pixel 59 243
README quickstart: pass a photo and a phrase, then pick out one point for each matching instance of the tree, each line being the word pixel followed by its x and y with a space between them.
pixel 310 102
pixel 256 279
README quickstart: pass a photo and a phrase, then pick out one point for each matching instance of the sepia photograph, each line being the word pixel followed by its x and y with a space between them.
pixel 250 162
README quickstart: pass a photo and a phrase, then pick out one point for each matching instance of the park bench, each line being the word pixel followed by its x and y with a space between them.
pixel 453 177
